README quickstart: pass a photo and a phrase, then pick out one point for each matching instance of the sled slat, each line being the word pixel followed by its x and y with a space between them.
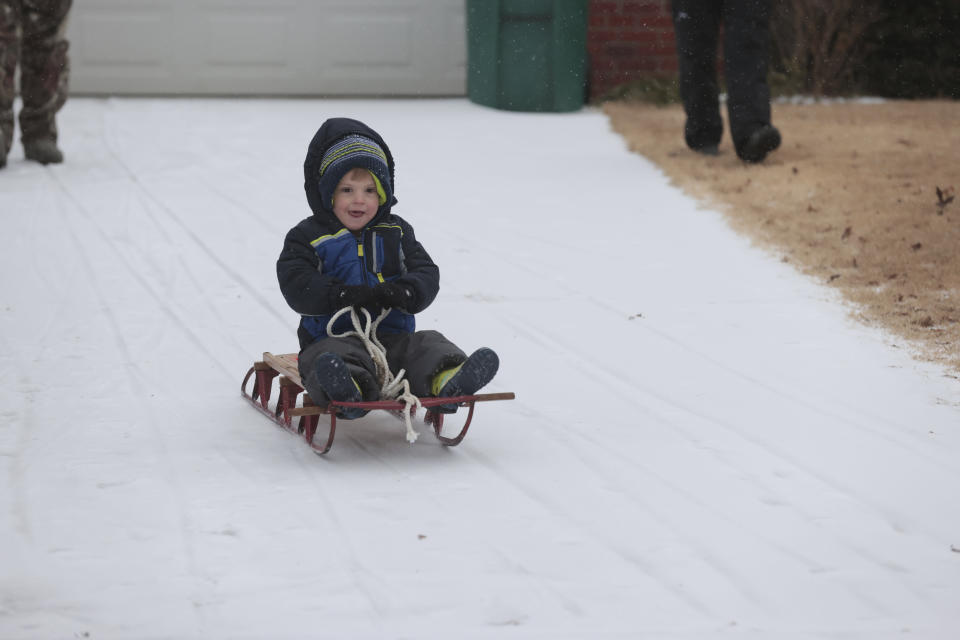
pixel 307 411
pixel 484 397
pixel 285 364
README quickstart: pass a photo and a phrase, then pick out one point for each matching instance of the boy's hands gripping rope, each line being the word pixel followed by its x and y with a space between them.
pixel 351 295
pixel 387 295
pixel 392 295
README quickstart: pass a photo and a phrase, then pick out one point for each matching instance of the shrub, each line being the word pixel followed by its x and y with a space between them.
pixel 915 51
pixel 817 46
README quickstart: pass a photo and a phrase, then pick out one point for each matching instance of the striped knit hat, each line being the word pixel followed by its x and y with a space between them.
pixel 350 152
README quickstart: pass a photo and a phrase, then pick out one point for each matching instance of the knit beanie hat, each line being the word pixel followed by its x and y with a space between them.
pixel 351 152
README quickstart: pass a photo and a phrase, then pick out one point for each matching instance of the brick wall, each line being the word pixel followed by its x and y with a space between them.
pixel 628 40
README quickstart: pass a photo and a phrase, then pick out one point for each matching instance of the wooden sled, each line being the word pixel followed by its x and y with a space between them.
pixel 284 369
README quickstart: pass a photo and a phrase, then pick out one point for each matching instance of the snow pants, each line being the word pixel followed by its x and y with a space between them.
pixel 422 354
pixel 31 34
pixel 746 29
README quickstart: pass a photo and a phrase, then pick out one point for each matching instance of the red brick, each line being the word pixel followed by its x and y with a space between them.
pixel 603 7
pixel 602 35
pixel 643 36
pixel 643 12
pixel 660 47
pixel 663 21
pixel 667 65
pixel 621 50
pixel 668 39
pixel 641 5
pixel 646 66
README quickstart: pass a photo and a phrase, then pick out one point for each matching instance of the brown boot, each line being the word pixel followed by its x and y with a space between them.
pixel 43 150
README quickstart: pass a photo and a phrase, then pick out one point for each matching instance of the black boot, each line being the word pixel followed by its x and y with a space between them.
pixel 333 376
pixel 471 376
pixel 760 143
pixel 708 150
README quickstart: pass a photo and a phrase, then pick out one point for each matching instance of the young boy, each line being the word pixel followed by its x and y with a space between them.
pixel 353 252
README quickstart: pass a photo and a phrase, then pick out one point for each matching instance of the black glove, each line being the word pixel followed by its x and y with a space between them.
pixel 350 295
pixel 393 295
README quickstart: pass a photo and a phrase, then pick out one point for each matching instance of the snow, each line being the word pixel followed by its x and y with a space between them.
pixel 703 444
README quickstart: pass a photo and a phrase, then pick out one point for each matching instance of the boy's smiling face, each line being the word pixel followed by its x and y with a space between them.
pixel 355 200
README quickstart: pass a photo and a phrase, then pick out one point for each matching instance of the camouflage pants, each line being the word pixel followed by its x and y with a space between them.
pixel 31 34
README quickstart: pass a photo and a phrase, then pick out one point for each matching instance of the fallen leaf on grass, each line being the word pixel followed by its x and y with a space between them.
pixel 944 197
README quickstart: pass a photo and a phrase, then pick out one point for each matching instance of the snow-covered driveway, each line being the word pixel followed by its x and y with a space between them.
pixel 703 443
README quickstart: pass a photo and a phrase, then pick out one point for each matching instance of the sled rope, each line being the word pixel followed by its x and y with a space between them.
pixel 392 386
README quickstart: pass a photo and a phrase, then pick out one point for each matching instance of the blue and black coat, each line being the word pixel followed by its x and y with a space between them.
pixel 320 256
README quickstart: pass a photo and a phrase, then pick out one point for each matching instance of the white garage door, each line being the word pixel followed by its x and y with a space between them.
pixel 268 47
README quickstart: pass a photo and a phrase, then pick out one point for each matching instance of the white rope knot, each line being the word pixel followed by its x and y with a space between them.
pixel 392 387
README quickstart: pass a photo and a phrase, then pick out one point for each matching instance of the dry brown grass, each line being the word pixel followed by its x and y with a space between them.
pixel 850 199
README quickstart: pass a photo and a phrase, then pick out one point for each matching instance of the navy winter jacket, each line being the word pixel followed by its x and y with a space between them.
pixel 320 255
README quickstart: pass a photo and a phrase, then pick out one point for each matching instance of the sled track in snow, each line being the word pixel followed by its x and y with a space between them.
pixel 135 273
pixel 136 378
pixel 198 242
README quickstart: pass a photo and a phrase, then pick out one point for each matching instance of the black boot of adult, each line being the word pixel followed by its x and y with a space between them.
pixel 760 143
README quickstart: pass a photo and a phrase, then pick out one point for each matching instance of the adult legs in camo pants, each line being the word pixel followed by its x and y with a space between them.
pixel 31 35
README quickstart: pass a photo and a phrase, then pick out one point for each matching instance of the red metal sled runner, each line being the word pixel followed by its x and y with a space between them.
pixel 284 367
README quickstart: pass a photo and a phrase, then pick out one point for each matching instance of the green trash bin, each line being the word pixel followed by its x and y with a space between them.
pixel 527 55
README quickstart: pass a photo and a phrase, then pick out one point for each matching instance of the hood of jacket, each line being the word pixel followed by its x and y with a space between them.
pixel 330 132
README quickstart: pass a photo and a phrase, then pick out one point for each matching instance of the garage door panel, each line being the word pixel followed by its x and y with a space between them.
pixel 446 64
pixel 134 38
pixel 369 42
pixel 247 38
pixel 262 47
